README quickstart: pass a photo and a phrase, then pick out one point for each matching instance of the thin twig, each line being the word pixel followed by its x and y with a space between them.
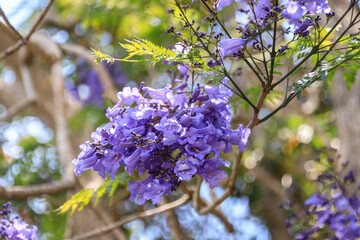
pixel 2 14
pixel 254 121
pixel 102 230
pixel 219 214
pixel 13 48
pixel 315 48
pixel 23 192
pixel 196 195
pixel 18 107
pixel 173 223
pixel 107 219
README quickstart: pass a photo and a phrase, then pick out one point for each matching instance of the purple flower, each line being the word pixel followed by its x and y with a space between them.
pixel 88 88
pixel 240 137
pixel 335 212
pixel 315 200
pixel 86 159
pixel 171 130
pixel 185 169
pixel 302 30
pixel 198 148
pixel 15 229
pixel 224 3
pixel 154 135
pixel 296 10
pixel 129 95
pixel 231 46
pixel 262 8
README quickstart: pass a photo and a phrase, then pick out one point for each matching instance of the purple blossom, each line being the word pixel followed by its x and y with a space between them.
pixel 296 10
pixel 333 213
pixel 169 134
pixel 315 200
pixel 231 46
pixel 185 169
pixel 262 8
pixel 224 3
pixel 15 229
pixel 88 89
pixel 302 30
pixel 129 95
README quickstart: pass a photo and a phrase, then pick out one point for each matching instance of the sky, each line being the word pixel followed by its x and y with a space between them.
pixel 18 11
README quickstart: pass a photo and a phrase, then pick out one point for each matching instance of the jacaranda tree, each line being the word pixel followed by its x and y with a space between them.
pixel 191 117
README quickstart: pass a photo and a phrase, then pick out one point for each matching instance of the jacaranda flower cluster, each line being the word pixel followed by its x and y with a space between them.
pixel 299 13
pixel 88 88
pixel 169 134
pixel 332 214
pixel 15 229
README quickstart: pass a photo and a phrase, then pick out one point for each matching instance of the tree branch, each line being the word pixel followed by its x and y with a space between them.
pixel 62 140
pixel 2 14
pixel 196 195
pixel 173 223
pixel 18 107
pixel 104 216
pixel 102 230
pixel 254 121
pixel 23 40
pixel 23 192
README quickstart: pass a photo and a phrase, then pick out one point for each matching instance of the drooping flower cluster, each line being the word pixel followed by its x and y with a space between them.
pixel 169 134
pixel 333 213
pixel 262 12
pixel 88 88
pixel 15 229
pixel 296 10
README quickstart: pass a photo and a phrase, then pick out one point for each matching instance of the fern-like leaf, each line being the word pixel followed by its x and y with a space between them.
pixel 103 57
pixel 77 202
pixel 83 198
pixel 142 47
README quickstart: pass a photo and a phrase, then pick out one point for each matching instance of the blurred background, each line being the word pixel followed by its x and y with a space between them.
pixel 278 164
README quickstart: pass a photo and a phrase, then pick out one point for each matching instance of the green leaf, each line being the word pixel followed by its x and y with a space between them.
pixel 142 47
pixel 54 224
pixel 350 75
pixel 77 202
pixel 82 198
pixel 273 96
pixel 101 191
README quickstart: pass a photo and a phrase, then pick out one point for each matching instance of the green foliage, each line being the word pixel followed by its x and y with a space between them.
pixel 193 58
pixel 102 56
pixel 83 198
pixel 78 201
pixel 300 50
pixel 321 72
pixel 138 47
pixel 54 224
pixel 142 47
pixel 28 143
pixel 87 116
pixel 349 60
pixel 350 74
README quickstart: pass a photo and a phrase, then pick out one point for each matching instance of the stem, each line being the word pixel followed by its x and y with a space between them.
pixel 243 96
pixel 230 37
pixel 273 54
pixel 292 95
pixel 315 48
pixel 337 40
